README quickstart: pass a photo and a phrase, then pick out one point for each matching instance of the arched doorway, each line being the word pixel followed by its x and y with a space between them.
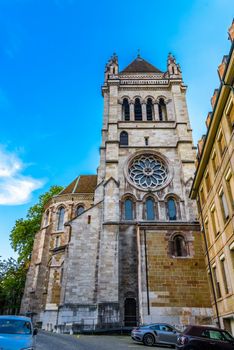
pixel 130 319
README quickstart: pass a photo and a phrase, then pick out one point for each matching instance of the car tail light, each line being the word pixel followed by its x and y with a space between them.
pixel 182 340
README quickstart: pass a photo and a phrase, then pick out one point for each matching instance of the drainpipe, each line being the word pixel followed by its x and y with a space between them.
pixel 209 263
pixel 141 320
pixel 146 274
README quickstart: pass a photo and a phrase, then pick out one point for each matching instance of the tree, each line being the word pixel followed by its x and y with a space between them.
pixel 12 272
pixel 12 280
pixel 23 233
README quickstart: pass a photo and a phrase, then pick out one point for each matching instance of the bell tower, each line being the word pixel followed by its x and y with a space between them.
pixel 137 251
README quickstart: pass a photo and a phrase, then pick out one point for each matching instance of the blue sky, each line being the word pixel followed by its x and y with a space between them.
pixel 52 55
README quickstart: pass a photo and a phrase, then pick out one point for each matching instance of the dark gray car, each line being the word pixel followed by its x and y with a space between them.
pixel 156 333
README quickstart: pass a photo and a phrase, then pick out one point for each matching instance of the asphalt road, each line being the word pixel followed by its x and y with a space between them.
pixel 51 341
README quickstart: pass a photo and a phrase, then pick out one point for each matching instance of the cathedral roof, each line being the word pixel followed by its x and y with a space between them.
pixel 139 65
pixel 82 184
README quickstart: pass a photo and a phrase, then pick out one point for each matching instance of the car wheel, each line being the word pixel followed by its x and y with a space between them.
pixel 148 340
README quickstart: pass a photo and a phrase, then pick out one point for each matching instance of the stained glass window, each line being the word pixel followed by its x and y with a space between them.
pixel 128 209
pixel 148 172
pixel 79 209
pixel 150 213
pixel 171 209
pixel 61 213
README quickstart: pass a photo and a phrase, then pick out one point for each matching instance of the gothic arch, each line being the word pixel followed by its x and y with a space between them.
pixel 127 209
pixel 169 206
pixel 79 205
pixel 60 217
pixel 178 245
pixel 150 209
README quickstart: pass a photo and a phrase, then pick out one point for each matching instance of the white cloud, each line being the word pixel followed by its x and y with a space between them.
pixel 15 188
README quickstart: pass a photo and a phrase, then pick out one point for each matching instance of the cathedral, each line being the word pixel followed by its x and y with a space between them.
pixel 123 247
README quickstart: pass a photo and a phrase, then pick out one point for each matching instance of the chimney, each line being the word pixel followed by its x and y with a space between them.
pixel 231 31
pixel 222 66
pixel 208 120
pixel 214 97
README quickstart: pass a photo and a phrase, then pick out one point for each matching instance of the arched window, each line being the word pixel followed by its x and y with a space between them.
pixel 123 138
pixel 46 221
pixel 150 212
pixel 138 109
pixel 179 246
pixel 162 110
pixel 126 110
pixel 79 209
pixel 171 208
pixel 128 209
pixel 61 213
pixel 149 109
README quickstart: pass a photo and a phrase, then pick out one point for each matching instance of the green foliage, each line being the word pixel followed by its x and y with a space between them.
pixel 12 280
pixel 12 272
pixel 23 233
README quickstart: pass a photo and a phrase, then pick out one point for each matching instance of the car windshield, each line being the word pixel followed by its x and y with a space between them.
pixel 11 326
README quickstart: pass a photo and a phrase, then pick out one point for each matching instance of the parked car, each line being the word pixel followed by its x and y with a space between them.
pixel 203 337
pixel 155 333
pixel 17 333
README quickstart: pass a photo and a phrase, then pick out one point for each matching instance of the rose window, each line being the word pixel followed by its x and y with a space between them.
pixel 148 172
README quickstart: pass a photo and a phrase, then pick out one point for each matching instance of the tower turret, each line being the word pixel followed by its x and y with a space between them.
pixel 173 68
pixel 112 67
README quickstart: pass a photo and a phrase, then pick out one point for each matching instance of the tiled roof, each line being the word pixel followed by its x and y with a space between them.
pixel 139 65
pixel 82 184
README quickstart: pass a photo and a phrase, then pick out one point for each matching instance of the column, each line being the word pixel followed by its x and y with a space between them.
pixel 156 115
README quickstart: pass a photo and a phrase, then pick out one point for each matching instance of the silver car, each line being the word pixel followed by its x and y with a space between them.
pixel 155 333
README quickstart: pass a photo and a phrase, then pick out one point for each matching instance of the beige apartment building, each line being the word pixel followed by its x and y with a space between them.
pixel 213 188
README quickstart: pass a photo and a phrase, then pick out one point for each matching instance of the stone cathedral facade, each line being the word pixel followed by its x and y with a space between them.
pixel 124 247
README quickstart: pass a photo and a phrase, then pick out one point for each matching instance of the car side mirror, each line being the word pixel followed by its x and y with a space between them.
pixel 174 331
pixel 35 331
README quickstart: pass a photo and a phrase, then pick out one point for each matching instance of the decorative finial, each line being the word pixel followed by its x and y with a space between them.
pixel 138 53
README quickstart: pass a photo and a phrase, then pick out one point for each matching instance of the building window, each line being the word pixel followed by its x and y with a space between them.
pixel 128 209
pixel 206 232
pixel 123 138
pixel 214 162
pixel 221 143
pixel 214 220
pixel 89 219
pixel 61 213
pixel 126 110
pixel 202 197
pixel 149 109
pixel 146 141
pixel 79 210
pixel 150 210
pixel 46 221
pixel 230 186
pixel 207 181
pixel 224 206
pixel 216 282
pixel 232 254
pixel 226 280
pixel 171 209
pixel 138 109
pixel 230 113
pixel 179 246
pixel 162 110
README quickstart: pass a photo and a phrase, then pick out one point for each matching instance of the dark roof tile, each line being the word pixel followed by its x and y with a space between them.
pixel 139 65
pixel 82 184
